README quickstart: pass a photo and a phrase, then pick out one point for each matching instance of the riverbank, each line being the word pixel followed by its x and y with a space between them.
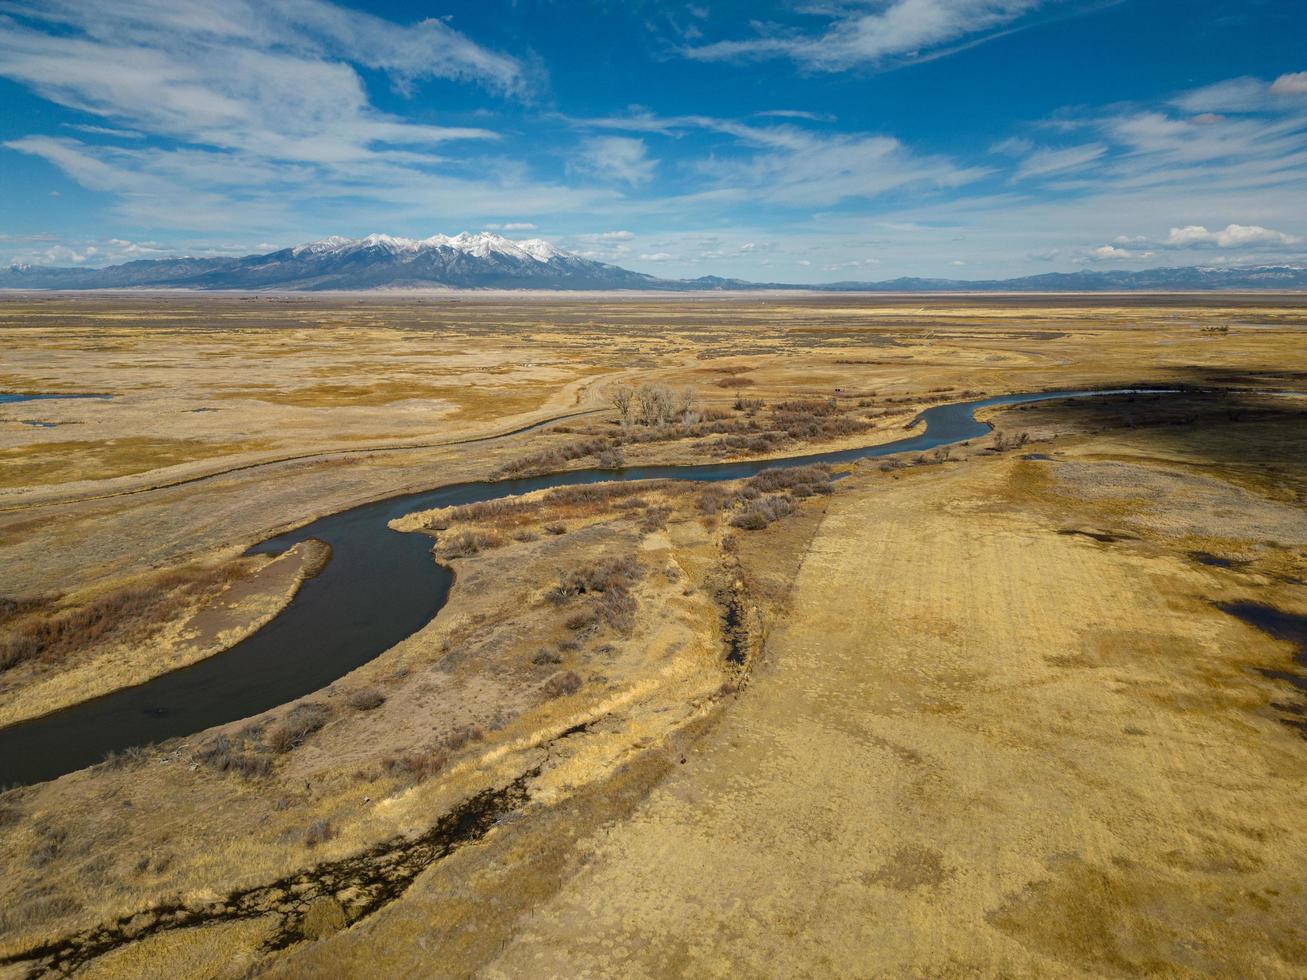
pixel 99 641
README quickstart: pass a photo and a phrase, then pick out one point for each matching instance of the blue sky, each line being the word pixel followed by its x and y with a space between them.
pixel 801 142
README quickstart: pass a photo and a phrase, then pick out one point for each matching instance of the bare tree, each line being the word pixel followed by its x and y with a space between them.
pixel 655 404
pixel 621 396
pixel 687 405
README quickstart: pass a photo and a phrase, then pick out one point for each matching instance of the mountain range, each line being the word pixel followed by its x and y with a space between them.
pixel 488 261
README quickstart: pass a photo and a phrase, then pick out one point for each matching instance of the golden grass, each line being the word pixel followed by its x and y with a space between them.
pixel 971 745
pixel 76 460
pixel 978 748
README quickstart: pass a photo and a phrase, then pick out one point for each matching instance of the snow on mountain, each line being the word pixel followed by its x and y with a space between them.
pixel 326 245
pixel 479 245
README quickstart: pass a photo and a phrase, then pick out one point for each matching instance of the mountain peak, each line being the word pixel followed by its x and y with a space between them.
pixel 479 244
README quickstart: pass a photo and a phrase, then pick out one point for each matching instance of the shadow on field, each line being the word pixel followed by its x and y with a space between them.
pixel 1218 419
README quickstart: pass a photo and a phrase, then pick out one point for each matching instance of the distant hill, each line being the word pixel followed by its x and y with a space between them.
pixel 1183 278
pixel 486 261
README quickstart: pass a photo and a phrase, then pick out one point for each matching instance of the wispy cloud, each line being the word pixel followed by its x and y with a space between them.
pixel 1042 162
pixel 616 158
pixel 255 108
pixel 874 32
pixel 794 167
pixel 267 79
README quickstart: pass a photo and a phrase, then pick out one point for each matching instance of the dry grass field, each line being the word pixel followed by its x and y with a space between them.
pixel 1000 711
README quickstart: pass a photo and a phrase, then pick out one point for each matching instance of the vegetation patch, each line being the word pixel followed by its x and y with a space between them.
pixel 298 724
pixel 51 630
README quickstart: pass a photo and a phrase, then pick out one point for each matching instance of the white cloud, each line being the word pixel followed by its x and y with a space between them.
pixel 106 131
pixel 1193 236
pixel 872 32
pixel 794 114
pixel 788 165
pixel 1016 146
pixel 658 257
pixel 96 252
pixel 308 30
pixel 1231 236
pixel 512 226
pixel 269 79
pixel 263 111
pixel 617 158
pixel 866 263
pixel 1043 162
pixel 1111 252
pixel 1292 84
pixel 1232 95
pixel 201 189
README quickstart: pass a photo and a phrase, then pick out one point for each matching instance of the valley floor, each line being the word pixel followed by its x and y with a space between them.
pixel 987 712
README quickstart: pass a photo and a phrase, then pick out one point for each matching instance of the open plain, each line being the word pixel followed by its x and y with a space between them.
pixel 1029 704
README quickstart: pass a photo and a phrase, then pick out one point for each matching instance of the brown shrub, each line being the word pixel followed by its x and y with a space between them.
pixel 551 459
pixel 712 499
pixel 655 519
pixel 581 620
pixel 129 758
pixel 223 755
pixel 300 722
pixel 803 480
pixel 319 832
pixel 596 493
pixel 415 767
pixel 33 629
pixel 49 845
pixel 617 608
pixel 462 734
pixel 762 512
pixel 466 543
pixel 366 699
pixel 601 576
pixel 563 683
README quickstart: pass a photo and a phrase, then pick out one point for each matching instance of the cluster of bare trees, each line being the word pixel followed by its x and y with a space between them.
pixel 654 405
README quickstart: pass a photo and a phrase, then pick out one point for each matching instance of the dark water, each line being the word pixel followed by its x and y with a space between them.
pixel 379 587
pixel 9 397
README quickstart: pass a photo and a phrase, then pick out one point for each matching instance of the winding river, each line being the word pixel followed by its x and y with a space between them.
pixel 379 587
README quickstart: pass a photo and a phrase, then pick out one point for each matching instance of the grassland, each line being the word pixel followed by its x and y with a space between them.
pixel 969 714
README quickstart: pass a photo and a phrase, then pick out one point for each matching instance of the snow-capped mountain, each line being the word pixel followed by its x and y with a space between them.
pixel 481 245
pixel 486 261
pixel 466 261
